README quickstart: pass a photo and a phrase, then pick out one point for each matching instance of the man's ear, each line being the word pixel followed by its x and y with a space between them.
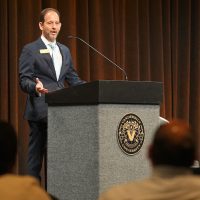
pixel 41 26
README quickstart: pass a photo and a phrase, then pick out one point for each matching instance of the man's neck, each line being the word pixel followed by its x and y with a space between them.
pixel 170 171
pixel 44 39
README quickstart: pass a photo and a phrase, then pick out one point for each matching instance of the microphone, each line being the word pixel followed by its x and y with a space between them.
pixel 124 72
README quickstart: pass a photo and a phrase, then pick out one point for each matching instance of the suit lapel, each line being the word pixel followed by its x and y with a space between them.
pixel 47 57
pixel 62 53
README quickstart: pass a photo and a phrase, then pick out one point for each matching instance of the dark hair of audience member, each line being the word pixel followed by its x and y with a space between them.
pixel 8 147
pixel 173 145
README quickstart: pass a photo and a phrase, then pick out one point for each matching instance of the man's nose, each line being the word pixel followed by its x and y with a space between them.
pixel 53 25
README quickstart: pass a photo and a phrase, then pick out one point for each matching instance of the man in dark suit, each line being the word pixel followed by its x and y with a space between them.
pixel 44 66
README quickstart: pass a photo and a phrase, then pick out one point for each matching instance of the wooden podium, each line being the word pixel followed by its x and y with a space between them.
pixel 90 131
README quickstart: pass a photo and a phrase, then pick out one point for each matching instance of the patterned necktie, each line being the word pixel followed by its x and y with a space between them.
pixel 56 59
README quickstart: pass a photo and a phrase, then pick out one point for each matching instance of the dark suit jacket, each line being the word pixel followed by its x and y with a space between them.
pixel 34 63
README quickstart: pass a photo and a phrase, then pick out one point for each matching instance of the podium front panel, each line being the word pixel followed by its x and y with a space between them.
pixel 84 157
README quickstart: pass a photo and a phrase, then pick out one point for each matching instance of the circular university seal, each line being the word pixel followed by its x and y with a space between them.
pixel 130 134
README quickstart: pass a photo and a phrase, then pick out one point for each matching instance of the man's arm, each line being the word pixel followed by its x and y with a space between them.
pixel 29 83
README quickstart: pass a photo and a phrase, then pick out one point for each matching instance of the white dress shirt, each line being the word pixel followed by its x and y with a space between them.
pixel 55 54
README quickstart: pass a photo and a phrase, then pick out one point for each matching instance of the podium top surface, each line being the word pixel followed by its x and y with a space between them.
pixel 108 92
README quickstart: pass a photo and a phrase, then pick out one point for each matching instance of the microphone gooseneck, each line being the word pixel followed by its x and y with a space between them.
pixel 124 72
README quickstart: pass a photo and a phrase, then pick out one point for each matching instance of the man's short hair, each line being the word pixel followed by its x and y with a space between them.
pixel 8 147
pixel 174 145
pixel 45 11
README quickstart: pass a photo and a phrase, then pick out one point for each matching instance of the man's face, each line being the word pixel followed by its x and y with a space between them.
pixel 51 26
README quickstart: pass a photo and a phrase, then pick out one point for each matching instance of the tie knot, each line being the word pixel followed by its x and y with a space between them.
pixel 52 45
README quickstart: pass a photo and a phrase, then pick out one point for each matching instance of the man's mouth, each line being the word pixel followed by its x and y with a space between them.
pixel 53 32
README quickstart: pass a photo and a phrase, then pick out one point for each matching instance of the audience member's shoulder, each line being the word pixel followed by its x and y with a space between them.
pixel 192 179
pixel 121 191
pixel 21 186
pixel 12 178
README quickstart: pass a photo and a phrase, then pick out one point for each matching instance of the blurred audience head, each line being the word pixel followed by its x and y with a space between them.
pixel 8 147
pixel 173 144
